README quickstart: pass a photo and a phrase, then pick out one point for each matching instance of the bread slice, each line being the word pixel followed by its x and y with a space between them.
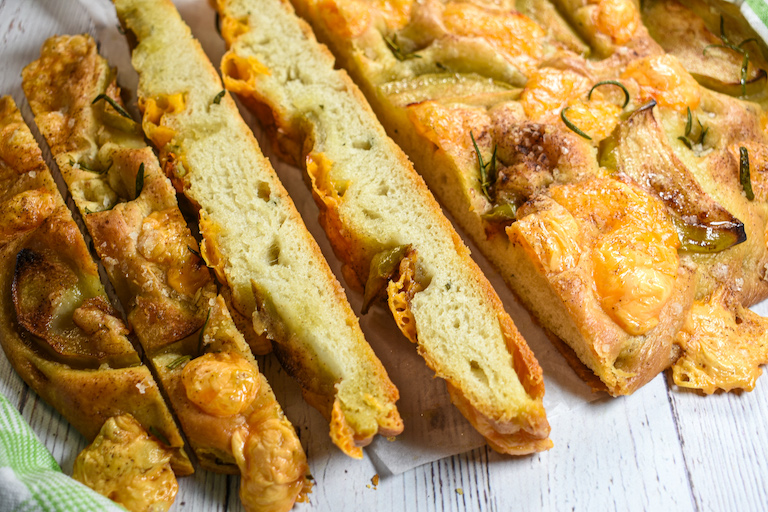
pixel 57 327
pixel 153 261
pixel 253 237
pixel 509 124
pixel 383 222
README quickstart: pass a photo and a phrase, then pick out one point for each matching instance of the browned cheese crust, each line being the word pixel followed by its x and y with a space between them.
pixel 57 326
pixel 155 265
pixel 499 107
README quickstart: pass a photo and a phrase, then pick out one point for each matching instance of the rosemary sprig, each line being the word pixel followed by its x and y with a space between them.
pixel 120 110
pixel 686 141
pixel 159 435
pixel 611 82
pixel 572 126
pixel 486 180
pixel 140 180
pixel 178 362
pixel 85 168
pixel 194 252
pixel 739 48
pixel 744 178
pixel 398 52
pixel 201 337
pixel 217 98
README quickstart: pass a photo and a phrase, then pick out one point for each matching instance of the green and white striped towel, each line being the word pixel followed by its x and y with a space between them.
pixel 756 13
pixel 31 480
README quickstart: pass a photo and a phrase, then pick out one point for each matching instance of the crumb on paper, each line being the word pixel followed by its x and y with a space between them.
pixel 375 480
pixel 392 439
pixel 460 491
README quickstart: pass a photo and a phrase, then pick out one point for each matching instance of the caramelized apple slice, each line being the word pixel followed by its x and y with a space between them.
pixel 74 323
pixel 717 63
pixel 642 152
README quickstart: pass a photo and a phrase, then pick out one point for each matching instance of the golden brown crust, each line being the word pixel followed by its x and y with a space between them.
pixel 156 267
pixel 273 267
pixel 87 397
pixel 401 66
pixel 359 209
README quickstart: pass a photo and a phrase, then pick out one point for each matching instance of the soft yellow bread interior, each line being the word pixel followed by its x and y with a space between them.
pixel 253 236
pixel 372 202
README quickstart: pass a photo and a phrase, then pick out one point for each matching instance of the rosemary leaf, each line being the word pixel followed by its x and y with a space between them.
pixel 85 168
pixel 689 123
pixel 611 82
pixel 194 252
pixel 160 437
pixel 140 180
pixel 201 337
pixel 744 178
pixel 484 180
pixel 572 126
pixel 398 52
pixel 120 110
pixel 685 141
pixel 178 362
pixel 218 97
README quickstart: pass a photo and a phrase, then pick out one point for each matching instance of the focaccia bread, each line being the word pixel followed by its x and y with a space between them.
pixel 57 326
pixel 605 183
pixel 203 363
pixel 383 222
pixel 253 237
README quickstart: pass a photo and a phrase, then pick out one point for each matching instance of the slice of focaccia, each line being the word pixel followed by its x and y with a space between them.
pixel 253 237
pixel 607 185
pixel 57 326
pixel 203 363
pixel 383 222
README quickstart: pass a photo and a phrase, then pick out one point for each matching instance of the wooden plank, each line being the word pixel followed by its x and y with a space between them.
pixel 620 454
pixel 724 444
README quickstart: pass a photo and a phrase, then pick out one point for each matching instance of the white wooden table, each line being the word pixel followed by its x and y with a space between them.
pixel 660 449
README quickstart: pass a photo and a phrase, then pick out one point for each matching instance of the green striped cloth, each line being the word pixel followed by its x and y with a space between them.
pixel 31 480
pixel 756 13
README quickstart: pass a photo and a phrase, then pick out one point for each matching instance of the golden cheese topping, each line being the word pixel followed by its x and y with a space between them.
pixel 512 34
pixel 551 238
pixel 549 90
pixel 634 256
pixel 221 384
pixel 154 109
pixel 165 239
pixel 665 80
pixel 351 18
pixel 272 464
pixel 128 466
pixel 617 19
pixel 724 346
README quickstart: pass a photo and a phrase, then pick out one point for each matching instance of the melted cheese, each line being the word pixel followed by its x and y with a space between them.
pixel 618 19
pixel 221 384
pixel 724 346
pixel 634 255
pixel 664 79
pixel 124 464
pixel 514 35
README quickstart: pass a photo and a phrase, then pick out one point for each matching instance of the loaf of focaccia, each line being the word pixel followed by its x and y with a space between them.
pixel 383 222
pixel 57 326
pixel 608 186
pixel 225 406
pixel 253 237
